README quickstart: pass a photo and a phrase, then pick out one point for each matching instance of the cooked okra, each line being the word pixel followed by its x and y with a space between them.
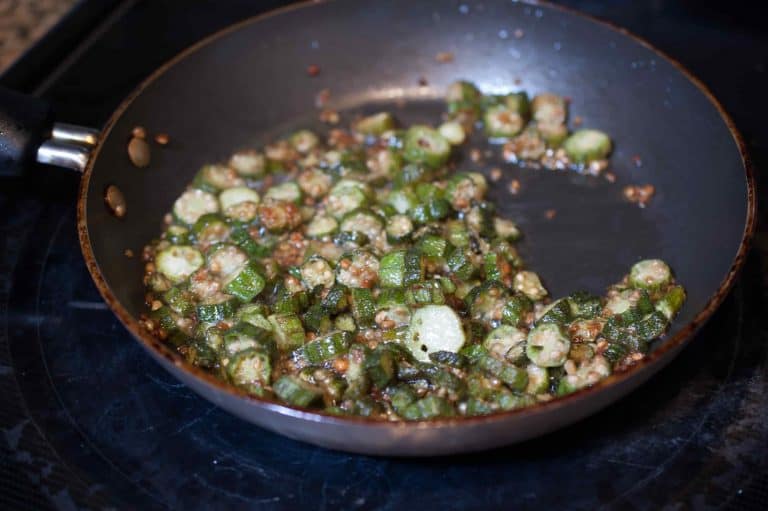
pixel 363 273
pixel 531 131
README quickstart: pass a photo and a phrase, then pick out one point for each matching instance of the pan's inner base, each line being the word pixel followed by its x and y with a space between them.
pixel 108 426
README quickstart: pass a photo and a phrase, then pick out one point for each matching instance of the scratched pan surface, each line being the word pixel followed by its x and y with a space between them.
pixel 249 83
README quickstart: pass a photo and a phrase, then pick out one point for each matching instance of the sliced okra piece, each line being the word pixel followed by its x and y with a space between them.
pixel 465 188
pixel 345 323
pixel 516 310
pixel 180 300
pixel 242 238
pixel 506 343
pixel 324 348
pixel 321 226
pixel 335 299
pixel 399 228
pixel 296 392
pixel 584 305
pixel 347 195
pixel 245 283
pixel 588 373
pixel 460 264
pixel 364 221
pixel 178 235
pixel 529 284
pixel 358 382
pixel 538 380
pixel 515 377
pixel 317 319
pixel 245 336
pixel 250 367
pixel 400 397
pixel 652 326
pixel 429 407
pixel 284 192
pixel 358 269
pixel 304 141
pixel 255 314
pixel 463 99
pixel 547 345
pixel 402 200
pixel 375 124
pixel 506 229
pixel 197 352
pixel 239 203
pixel 248 163
pixel 549 109
pixel 178 262
pixel 558 312
pixel 316 271
pixel 380 366
pixel 216 308
pixel 448 358
pixel 225 259
pixel 650 274
pixel 363 306
pixel 434 328
pixel 411 174
pixel 518 102
pixel 671 302
pixel 193 204
pixel 289 332
pixel 502 122
pixel 480 219
pixel 211 229
pixel 586 146
pixel 453 132
pixel 423 144
pixel 213 178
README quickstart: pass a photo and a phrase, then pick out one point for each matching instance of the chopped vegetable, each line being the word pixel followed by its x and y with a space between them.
pixel 366 272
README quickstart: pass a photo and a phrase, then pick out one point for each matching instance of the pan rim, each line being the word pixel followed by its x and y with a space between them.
pixel 161 350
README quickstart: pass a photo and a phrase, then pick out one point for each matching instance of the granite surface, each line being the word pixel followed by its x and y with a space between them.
pixel 23 22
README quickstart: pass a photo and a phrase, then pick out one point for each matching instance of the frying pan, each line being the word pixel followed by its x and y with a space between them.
pixel 246 84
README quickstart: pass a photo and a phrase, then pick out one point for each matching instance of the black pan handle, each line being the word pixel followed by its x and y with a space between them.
pixel 24 123
pixel 28 134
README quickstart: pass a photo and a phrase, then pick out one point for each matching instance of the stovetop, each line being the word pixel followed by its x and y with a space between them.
pixel 89 421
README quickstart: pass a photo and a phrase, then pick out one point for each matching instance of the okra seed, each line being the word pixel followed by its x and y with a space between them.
pixel 139 132
pixel 138 152
pixel 115 201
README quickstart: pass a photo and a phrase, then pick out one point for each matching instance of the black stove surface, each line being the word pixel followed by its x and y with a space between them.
pixel 89 421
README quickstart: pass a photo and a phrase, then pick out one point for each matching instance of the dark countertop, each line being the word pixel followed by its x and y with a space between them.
pixel 24 22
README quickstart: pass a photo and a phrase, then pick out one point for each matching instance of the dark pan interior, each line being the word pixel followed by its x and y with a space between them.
pixel 252 82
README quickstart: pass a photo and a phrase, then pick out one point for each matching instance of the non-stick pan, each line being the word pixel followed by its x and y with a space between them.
pixel 248 83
